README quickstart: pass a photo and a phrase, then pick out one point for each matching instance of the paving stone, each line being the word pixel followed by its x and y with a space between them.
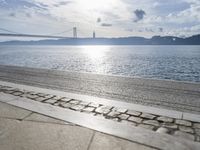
pixel 9 92
pixel 28 135
pixel 94 105
pixel 106 142
pixel 42 94
pixel 103 110
pixel 88 109
pixel 123 116
pixel 183 122
pixel 133 113
pixel 67 105
pixel 65 99
pixel 165 119
pixel 121 110
pixel 151 122
pixel 41 99
pixel 184 135
pixel 42 118
pixel 77 107
pixel 84 103
pixel 113 114
pixel 17 93
pixel 196 125
pixel 135 119
pixel 129 123
pixel 74 102
pixel 197 131
pixel 57 98
pixel 186 129
pixel 197 138
pixel 147 116
pixel 51 101
pixel 31 96
pixel 49 96
pixel 162 130
pixel 9 111
pixel 146 126
pixel 170 125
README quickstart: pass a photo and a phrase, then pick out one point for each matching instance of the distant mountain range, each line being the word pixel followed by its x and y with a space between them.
pixel 155 40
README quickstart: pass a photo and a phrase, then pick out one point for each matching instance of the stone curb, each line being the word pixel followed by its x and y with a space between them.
pixel 103 101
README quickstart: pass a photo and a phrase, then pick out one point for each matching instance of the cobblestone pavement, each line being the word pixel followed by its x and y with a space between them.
pixel 161 124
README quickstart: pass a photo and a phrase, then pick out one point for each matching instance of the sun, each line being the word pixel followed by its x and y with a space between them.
pixel 96 4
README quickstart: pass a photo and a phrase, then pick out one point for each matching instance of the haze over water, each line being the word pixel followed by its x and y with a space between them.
pixel 180 63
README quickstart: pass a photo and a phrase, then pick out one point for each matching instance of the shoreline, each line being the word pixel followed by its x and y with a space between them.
pixel 158 93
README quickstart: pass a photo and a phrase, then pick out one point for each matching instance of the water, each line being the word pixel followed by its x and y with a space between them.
pixel 161 62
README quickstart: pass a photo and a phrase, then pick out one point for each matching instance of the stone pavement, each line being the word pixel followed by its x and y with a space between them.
pixel 25 130
pixel 128 128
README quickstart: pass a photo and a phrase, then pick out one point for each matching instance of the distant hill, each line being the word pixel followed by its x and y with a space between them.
pixel 155 40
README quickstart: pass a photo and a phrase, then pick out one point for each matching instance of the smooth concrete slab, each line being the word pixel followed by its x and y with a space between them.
pixel 4 97
pixel 9 111
pixel 41 118
pixel 25 135
pixel 137 107
pixel 107 142
pixel 135 134
pixel 193 117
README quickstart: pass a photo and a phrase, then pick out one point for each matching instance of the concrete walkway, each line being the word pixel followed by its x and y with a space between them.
pixel 25 130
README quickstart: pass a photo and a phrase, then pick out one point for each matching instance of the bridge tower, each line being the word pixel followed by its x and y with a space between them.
pixel 94 35
pixel 74 32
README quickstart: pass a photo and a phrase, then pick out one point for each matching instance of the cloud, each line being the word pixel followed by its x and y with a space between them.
pixel 62 3
pixel 98 20
pixel 160 29
pixel 139 13
pixel 12 15
pixel 106 24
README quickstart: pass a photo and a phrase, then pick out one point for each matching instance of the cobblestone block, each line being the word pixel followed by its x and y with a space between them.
pixel 32 96
pixel 58 98
pixel 123 116
pixel 151 122
pixel 42 94
pixel 88 109
pixel 74 102
pixel 170 125
pixel 67 105
pixel 184 135
pixel 146 126
pixel 94 105
pixel 51 101
pixel 77 107
pixel 17 93
pixel 196 125
pixel 135 119
pixel 186 129
pixel 133 113
pixel 41 99
pixel 147 116
pixel 103 110
pixel 113 114
pixel 183 122
pixel 165 119
pixel 162 130
pixel 65 99
pixel 121 110
pixel 84 103
pixel 129 123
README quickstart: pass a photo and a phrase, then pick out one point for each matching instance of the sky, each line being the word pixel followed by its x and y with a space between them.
pixel 108 18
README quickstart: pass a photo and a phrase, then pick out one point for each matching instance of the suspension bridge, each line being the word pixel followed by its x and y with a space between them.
pixel 9 33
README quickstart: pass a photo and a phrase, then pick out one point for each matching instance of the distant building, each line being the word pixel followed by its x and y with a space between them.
pixel 94 34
